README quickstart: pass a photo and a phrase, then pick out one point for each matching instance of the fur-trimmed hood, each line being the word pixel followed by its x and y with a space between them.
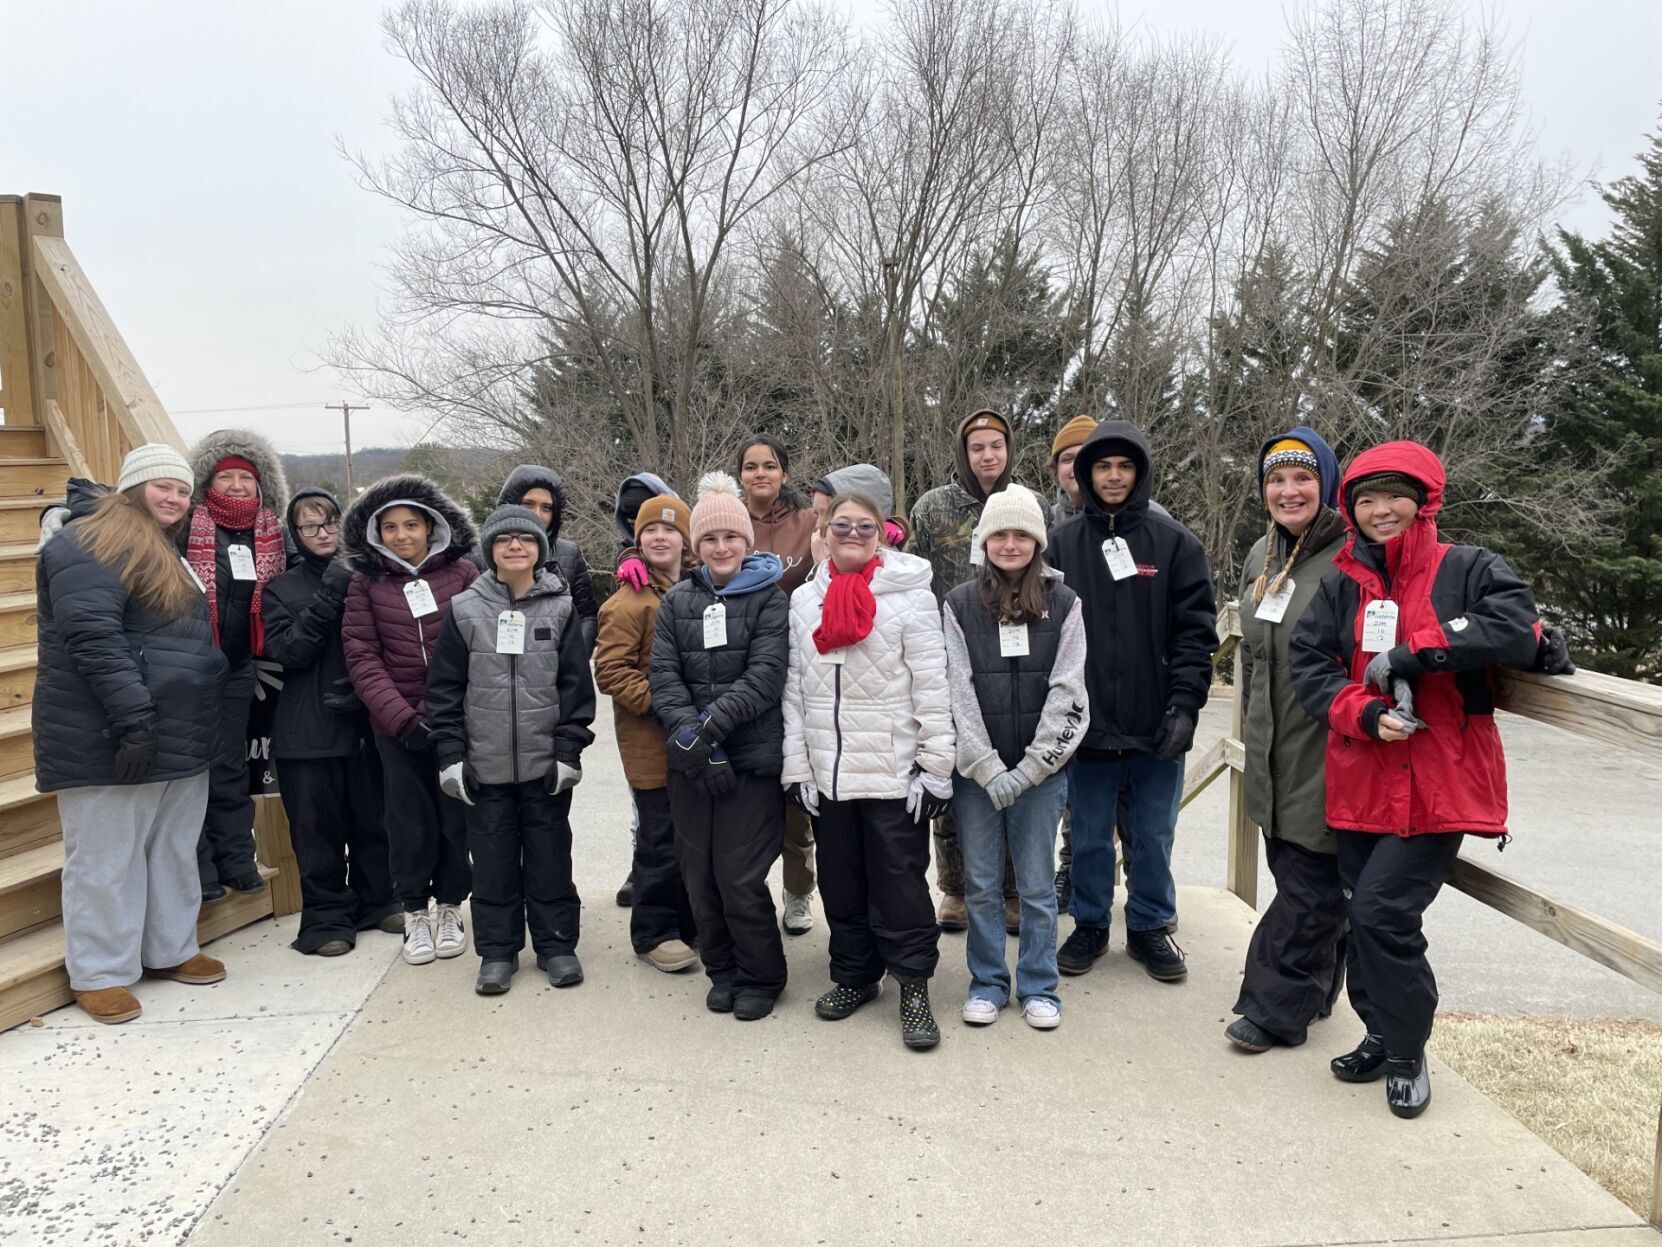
pixel 453 531
pixel 274 485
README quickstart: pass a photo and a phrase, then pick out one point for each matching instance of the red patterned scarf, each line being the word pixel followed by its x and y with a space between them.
pixel 236 515
pixel 849 609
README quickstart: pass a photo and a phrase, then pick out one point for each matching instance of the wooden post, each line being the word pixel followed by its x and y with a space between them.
pixel 274 848
pixel 1243 836
pixel 42 218
pixel 17 391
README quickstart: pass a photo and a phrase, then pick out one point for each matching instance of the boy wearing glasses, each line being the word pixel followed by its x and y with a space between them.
pixel 510 699
pixel 327 766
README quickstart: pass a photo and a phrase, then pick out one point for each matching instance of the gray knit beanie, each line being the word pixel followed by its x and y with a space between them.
pixel 512 519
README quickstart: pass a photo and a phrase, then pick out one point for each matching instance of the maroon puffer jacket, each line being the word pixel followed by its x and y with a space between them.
pixel 386 645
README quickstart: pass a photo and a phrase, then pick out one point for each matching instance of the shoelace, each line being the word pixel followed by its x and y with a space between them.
pixel 421 933
pixel 450 924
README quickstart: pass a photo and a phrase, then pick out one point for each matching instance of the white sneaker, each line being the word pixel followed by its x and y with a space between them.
pixel 452 940
pixel 979 1012
pixel 1041 1014
pixel 418 938
pixel 799 915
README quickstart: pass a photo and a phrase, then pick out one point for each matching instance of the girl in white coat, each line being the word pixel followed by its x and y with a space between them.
pixel 869 749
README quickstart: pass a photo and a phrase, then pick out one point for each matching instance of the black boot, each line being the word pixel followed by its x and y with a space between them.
pixel 1079 952
pixel 1363 1063
pixel 1064 889
pixel 719 999
pixel 752 1006
pixel 917 1022
pixel 626 894
pixel 841 1001
pixel 496 977
pixel 1407 1085
pixel 1159 953
pixel 1248 1036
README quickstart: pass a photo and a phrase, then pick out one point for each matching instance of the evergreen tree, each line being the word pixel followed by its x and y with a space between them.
pixel 1609 591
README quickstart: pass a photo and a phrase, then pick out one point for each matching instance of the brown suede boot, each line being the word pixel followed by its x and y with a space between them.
pixel 199 969
pixel 952 916
pixel 109 1005
pixel 1012 914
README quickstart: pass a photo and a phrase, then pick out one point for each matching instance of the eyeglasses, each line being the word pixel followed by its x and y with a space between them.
pixel 312 530
pixel 515 539
pixel 863 529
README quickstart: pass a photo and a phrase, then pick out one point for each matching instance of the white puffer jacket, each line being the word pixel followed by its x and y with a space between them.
pixel 855 727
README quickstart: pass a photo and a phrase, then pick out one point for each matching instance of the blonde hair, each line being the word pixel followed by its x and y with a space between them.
pixel 122 533
pixel 1265 584
pixel 864 501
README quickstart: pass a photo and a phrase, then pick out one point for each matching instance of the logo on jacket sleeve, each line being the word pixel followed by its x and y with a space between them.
pixel 1459 625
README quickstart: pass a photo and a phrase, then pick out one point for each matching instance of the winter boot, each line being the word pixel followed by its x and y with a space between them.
pixel 496 977
pixel 719 999
pixel 1363 1063
pixel 199 970
pixel 1012 915
pixel 952 916
pixel 563 971
pixel 1407 1085
pixel 109 1005
pixel 752 1006
pixel 841 1001
pixel 917 1022
pixel 1248 1036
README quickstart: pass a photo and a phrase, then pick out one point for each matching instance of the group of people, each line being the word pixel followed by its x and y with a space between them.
pixel 807 678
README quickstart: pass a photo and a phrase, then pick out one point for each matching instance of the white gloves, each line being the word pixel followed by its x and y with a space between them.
pixel 565 778
pixel 928 796
pixel 805 795
pixel 51 520
pixel 1003 790
pixel 452 782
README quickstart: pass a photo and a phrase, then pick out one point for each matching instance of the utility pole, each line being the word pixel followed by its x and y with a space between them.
pixel 346 409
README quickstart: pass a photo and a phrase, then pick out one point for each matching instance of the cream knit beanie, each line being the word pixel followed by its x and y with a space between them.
pixel 154 461
pixel 1014 506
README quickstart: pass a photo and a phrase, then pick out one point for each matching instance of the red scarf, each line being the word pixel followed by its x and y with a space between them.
pixel 236 515
pixel 849 609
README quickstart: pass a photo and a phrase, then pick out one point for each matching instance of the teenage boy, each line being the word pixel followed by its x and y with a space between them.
pixel 327 766
pixel 510 699
pixel 943 531
pixel 1064 449
pixel 1150 611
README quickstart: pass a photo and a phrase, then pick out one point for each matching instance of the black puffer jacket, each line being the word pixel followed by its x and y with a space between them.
pixel 563 554
pixel 740 683
pixel 104 658
pixel 302 631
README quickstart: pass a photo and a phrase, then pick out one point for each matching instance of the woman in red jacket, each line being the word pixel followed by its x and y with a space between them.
pixel 1395 655
pixel 408 545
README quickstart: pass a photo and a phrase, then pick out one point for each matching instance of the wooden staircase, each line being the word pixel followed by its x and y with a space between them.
pixel 74 402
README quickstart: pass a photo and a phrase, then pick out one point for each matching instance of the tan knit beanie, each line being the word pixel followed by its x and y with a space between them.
pixel 665 509
pixel 720 507
pixel 1073 433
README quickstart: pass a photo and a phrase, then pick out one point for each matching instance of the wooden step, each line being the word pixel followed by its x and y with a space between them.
pixel 17 675
pixel 27 818
pixel 17 619
pixel 33 980
pixel 31 888
pixel 33 478
pixel 17 567
pixel 22 441
pixel 17 741
pixel 20 517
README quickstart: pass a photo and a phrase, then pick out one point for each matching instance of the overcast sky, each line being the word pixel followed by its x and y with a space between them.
pixel 194 145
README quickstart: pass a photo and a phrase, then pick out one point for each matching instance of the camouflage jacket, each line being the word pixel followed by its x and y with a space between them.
pixel 943 531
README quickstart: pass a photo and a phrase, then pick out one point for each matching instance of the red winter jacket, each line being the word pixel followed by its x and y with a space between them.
pixel 387 648
pixel 1461 612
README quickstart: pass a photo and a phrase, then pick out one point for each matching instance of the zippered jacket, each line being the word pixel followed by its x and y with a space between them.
pixel 1024 713
pixel 622 659
pixel 1152 635
pixel 387 648
pixel 738 683
pixel 857 721
pixel 1461 612
pixel 512 716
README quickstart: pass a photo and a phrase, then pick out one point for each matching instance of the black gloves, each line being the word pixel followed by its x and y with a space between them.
pixel 135 751
pixel 1552 655
pixel 1176 735
pixel 418 737
pixel 344 699
pixel 336 577
pixel 717 778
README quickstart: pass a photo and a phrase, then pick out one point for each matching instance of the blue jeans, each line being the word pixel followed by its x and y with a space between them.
pixel 1028 829
pixel 1153 789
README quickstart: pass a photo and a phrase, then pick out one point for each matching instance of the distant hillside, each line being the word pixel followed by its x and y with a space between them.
pixel 461 470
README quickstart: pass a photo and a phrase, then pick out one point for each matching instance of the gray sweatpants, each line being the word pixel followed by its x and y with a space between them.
pixel 131 891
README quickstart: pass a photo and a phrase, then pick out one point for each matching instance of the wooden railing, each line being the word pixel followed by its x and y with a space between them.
pixel 1623 713
pixel 64 366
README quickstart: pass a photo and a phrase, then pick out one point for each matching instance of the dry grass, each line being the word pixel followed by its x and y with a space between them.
pixel 1589 1086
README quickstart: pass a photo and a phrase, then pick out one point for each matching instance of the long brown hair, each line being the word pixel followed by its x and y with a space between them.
pixel 1021 600
pixel 122 533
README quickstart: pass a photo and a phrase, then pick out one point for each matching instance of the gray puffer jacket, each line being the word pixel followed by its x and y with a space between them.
pixel 512 716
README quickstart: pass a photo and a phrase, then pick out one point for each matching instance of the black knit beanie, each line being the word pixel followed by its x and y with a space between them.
pixel 511 519
pixel 1395 483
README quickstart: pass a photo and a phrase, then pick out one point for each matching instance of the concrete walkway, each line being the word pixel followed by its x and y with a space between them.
pixel 361 1100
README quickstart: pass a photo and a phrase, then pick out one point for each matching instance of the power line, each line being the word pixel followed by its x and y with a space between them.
pixel 216 411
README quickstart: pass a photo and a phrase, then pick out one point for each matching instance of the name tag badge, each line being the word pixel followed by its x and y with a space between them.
pixel 1273 609
pixel 836 657
pixel 420 597
pixel 191 572
pixel 1117 555
pixel 1379 627
pixel 242 562
pixel 510 632
pixel 715 625
pixel 1012 640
